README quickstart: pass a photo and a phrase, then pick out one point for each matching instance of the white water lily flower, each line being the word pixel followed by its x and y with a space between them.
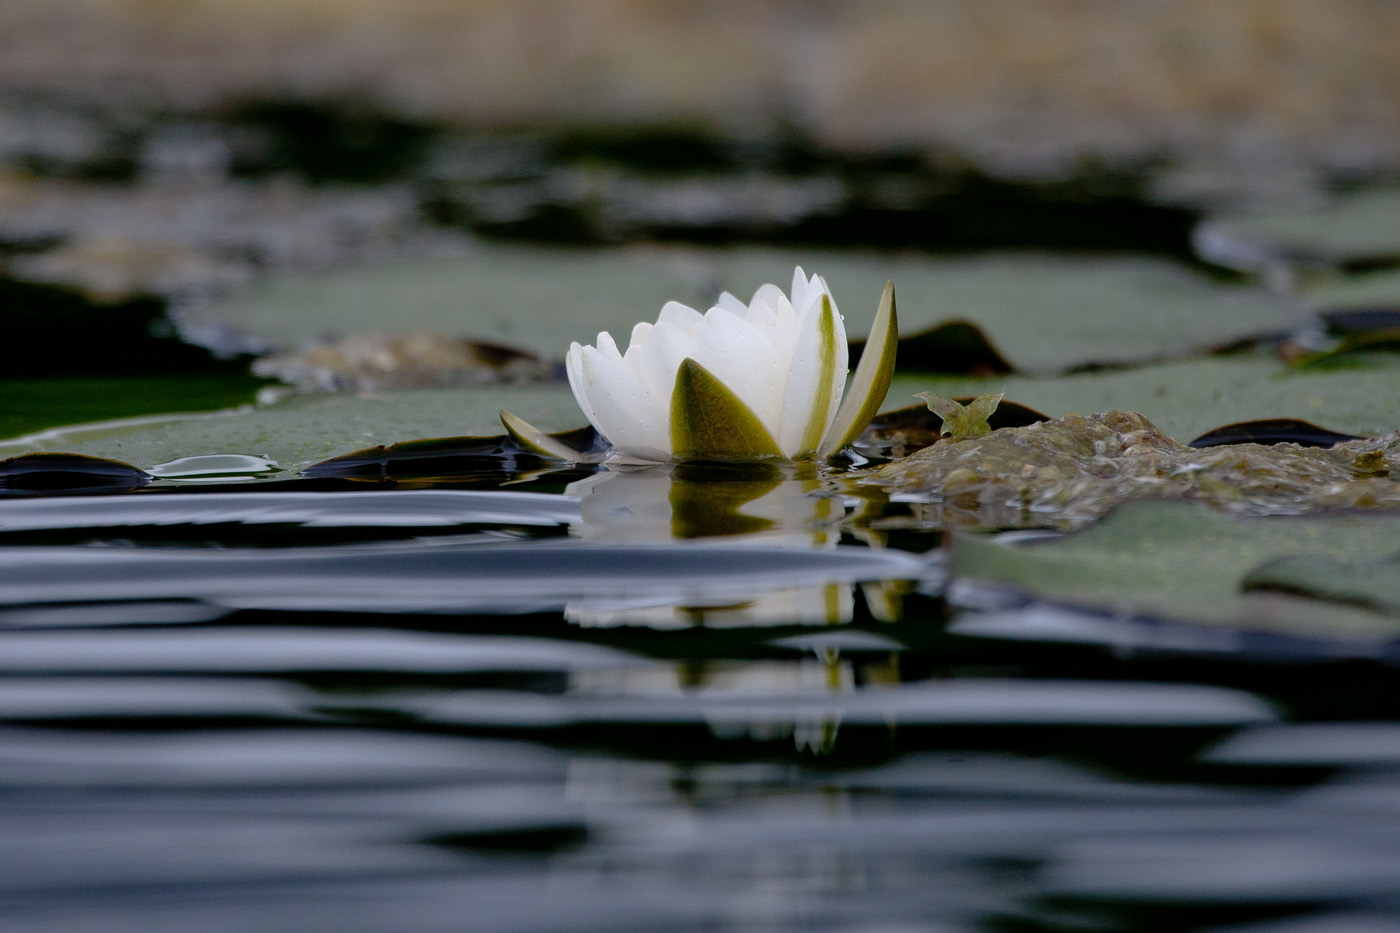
pixel 738 382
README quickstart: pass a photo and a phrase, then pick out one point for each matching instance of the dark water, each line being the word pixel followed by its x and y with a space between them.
pixel 662 702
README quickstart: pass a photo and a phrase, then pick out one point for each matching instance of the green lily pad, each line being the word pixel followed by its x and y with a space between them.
pixel 1185 562
pixel 1362 228
pixel 303 429
pixel 34 404
pixel 1186 399
pixel 1373 290
pixel 1043 312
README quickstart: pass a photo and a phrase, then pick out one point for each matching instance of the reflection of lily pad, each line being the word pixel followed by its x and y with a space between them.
pixel 1189 398
pixel 297 431
pixel 1186 562
pixel 1043 312
pixel 1362 228
pixel 1373 584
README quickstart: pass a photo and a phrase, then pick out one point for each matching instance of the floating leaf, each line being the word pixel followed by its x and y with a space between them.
pixel 32 405
pixel 902 431
pixel 1358 229
pixel 1186 562
pixel 304 429
pixel 1273 431
pixel 953 347
pixel 1189 398
pixel 420 359
pixel 961 421
pixel 41 472
pixel 1043 312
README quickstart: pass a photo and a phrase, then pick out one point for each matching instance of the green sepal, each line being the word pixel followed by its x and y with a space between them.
pixel 536 441
pixel 871 380
pixel 827 350
pixel 710 422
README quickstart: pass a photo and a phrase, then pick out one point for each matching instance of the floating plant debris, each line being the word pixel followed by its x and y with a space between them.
pixel 450 456
pixel 370 362
pixel 901 432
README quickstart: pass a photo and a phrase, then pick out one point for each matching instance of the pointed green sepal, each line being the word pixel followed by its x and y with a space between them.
pixel 536 441
pixel 871 380
pixel 710 422
pixel 962 422
pixel 827 348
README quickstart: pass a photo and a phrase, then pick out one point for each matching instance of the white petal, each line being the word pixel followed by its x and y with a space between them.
pixel 804 390
pixel 657 363
pixel 729 303
pixel 636 348
pixel 799 287
pixel 573 366
pixel 607 345
pixel 679 315
pixel 811 300
pixel 773 296
pixel 639 337
pixel 627 415
pixel 776 333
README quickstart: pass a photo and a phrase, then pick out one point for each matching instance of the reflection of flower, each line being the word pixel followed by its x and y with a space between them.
pixel 737 382
pixel 776 503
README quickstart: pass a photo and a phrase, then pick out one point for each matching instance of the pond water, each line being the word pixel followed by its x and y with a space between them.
pixel 693 698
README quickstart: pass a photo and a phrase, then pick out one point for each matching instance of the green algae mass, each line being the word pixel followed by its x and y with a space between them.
pixel 1069 471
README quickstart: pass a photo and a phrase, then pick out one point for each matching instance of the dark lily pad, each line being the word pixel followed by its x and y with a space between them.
pixel 47 472
pixel 1272 431
pixel 958 347
pixel 448 456
pixel 1361 320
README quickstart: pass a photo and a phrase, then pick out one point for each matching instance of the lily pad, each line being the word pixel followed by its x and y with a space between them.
pixel 1043 312
pixel 1186 399
pixel 28 405
pixel 1363 228
pixel 1186 562
pixel 303 429
pixel 1375 290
